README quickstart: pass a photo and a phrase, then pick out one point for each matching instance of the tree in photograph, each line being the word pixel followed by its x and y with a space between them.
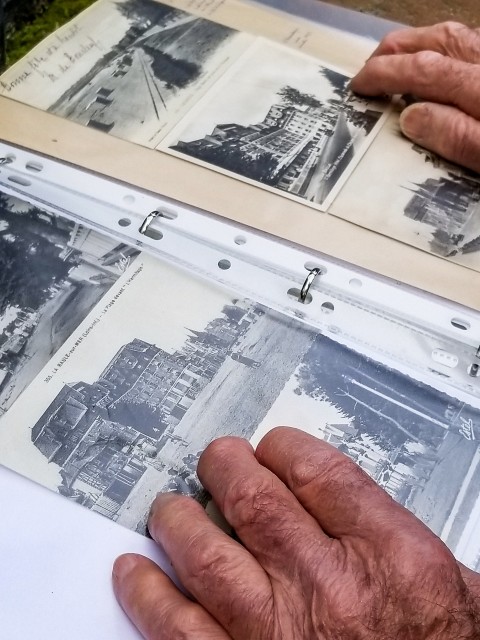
pixel 143 10
pixel 176 73
pixel 293 97
pixel 29 258
pixel 381 402
pixel 363 119
pixel 338 81
pixel 472 246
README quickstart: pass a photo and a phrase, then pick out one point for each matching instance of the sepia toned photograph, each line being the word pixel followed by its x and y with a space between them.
pixel 283 121
pixel 125 411
pixel 127 67
pixel 413 195
pixel 52 273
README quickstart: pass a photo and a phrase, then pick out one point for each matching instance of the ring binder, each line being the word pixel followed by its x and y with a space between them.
pixel 309 280
pixel 148 221
pixel 264 269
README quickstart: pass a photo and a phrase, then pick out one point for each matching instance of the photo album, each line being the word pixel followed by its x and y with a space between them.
pixel 117 369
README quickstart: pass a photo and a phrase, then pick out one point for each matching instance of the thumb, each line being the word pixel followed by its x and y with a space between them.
pixel 444 130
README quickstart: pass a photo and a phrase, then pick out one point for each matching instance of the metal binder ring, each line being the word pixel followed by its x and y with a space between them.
pixel 312 274
pixel 6 160
pixel 148 221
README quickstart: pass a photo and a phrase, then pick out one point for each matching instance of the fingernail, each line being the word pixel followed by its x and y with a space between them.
pixel 413 121
pixel 122 566
pixel 161 499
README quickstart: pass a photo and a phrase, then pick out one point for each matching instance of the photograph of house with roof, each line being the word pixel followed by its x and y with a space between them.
pixel 283 121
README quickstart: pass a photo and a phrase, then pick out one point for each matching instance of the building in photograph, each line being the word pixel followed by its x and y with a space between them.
pixel 104 435
pixel 447 204
pixel 274 150
pixel 302 146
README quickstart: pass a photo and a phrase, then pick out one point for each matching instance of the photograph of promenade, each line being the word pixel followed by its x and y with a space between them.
pixel 164 54
pixel 126 67
pixel 283 121
pixel 128 414
pixel 52 273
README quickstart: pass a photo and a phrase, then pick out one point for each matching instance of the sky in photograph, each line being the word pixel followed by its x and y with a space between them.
pixel 302 411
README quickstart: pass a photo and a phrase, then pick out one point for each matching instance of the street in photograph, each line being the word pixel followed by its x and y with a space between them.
pixel 162 55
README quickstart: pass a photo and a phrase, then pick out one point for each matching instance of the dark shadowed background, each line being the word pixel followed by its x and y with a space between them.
pixel 418 12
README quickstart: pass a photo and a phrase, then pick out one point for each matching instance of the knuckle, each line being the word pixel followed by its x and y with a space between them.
pixel 391 43
pixel 423 557
pixel 460 41
pixel 450 29
pixel 453 33
pixel 249 500
pixel 333 470
pixel 424 62
pixel 206 560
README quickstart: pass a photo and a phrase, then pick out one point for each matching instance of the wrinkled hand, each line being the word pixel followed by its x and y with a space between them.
pixel 440 65
pixel 327 555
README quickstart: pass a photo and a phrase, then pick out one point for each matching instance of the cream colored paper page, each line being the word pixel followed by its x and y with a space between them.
pixel 229 198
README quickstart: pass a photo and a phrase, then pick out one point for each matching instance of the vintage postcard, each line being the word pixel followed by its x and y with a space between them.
pixel 165 363
pixel 52 273
pixel 129 67
pixel 406 192
pixel 282 121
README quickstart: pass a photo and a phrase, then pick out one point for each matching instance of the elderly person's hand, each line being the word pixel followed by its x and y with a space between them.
pixel 324 554
pixel 439 65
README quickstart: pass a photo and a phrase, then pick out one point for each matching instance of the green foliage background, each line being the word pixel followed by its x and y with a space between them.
pixel 20 41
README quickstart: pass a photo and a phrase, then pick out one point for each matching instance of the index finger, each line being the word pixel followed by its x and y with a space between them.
pixel 331 487
pixel 448 38
pixel 265 515
pixel 427 75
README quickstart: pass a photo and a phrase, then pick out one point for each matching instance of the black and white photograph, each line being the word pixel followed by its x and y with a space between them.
pixel 52 273
pixel 128 413
pixel 413 195
pixel 449 205
pixel 128 67
pixel 280 120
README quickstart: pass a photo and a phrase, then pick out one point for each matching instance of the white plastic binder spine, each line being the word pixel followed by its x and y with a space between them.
pixel 355 307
